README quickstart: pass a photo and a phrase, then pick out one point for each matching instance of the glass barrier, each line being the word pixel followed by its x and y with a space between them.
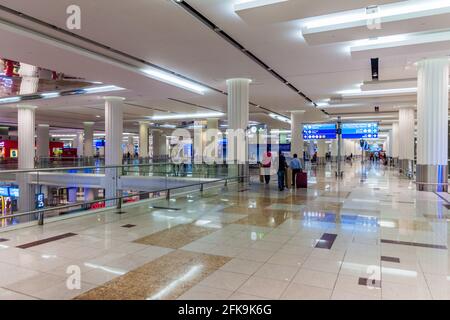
pixel 35 194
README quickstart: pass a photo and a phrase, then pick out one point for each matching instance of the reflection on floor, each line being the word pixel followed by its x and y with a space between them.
pixel 370 236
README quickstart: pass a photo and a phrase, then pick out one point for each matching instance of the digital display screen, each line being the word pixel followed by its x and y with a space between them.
pixel 4 191
pixel 14 192
pixel 360 130
pixel 319 131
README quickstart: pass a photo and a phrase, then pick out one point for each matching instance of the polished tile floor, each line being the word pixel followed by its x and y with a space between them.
pixel 369 236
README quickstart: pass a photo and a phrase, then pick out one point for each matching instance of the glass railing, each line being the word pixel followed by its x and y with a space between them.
pixel 37 194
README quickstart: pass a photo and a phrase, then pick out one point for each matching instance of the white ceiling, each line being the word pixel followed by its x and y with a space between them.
pixel 163 33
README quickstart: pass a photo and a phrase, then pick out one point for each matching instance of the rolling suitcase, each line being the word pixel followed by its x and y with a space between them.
pixel 302 180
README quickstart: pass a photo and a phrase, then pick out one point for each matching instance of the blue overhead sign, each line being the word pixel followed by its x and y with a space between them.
pixel 319 131
pixel 360 130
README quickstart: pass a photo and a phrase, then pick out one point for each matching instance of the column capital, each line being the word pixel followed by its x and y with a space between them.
pixel 239 79
pixel 88 123
pixel 298 111
pixel 144 122
pixel 113 98
pixel 405 107
pixel 26 107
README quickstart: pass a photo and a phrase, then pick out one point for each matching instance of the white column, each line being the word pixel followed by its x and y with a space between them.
pixel 199 141
pixel 321 151
pixel 113 143
pixel 79 144
pixel 395 142
pixel 432 129
pixel 334 149
pixel 406 139
pixel 297 118
pixel 212 136
pixel 389 144
pixel 26 124
pixel 42 141
pixel 30 78
pixel 238 113
pixel 88 143
pixel 159 145
pixel 143 139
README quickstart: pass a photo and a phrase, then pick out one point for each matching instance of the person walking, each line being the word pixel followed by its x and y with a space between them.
pixel 282 166
pixel 296 167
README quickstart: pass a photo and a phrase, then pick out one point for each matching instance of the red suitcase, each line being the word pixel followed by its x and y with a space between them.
pixel 301 180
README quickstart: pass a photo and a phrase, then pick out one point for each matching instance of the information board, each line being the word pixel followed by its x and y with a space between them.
pixel 360 130
pixel 319 131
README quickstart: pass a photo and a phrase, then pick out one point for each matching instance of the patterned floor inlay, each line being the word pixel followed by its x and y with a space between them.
pixel 326 241
pixel 176 237
pixel 128 226
pixel 390 259
pixel 42 241
pixel 165 208
pixel 415 244
pixel 271 220
pixel 165 278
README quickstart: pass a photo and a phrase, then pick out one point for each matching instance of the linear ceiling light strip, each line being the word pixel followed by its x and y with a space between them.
pixel 194 12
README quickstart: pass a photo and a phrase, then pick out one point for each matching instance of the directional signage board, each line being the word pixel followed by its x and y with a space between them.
pixel 360 130
pixel 319 131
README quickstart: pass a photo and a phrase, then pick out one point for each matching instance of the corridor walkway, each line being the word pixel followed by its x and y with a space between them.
pixel 370 236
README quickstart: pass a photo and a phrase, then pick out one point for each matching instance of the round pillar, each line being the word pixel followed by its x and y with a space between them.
pixel 143 139
pixel 88 143
pixel 26 124
pixel 406 144
pixel 238 113
pixel 113 144
pixel 395 142
pixel 432 125
pixel 297 119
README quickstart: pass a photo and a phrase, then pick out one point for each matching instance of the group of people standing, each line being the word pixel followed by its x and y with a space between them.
pixel 295 165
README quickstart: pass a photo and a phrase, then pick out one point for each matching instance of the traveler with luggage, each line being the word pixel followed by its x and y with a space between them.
pixel 296 167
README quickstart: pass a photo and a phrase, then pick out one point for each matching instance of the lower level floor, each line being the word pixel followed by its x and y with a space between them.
pixel 370 235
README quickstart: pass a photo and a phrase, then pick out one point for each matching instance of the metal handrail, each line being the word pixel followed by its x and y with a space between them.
pixel 41 212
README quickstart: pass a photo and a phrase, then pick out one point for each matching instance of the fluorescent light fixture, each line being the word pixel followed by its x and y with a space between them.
pixel 383 13
pixel 188 116
pixel 279 118
pixel 102 89
pixel 250 4
pixel 360 93
pixel 279 131
pixel 49 95
pixel 371 93
pixel 175 80
pixel 168 126
pixel 399 40
pixel 9 100
pixel 63 135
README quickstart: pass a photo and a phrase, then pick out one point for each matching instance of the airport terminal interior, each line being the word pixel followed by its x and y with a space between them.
pixel 224 150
